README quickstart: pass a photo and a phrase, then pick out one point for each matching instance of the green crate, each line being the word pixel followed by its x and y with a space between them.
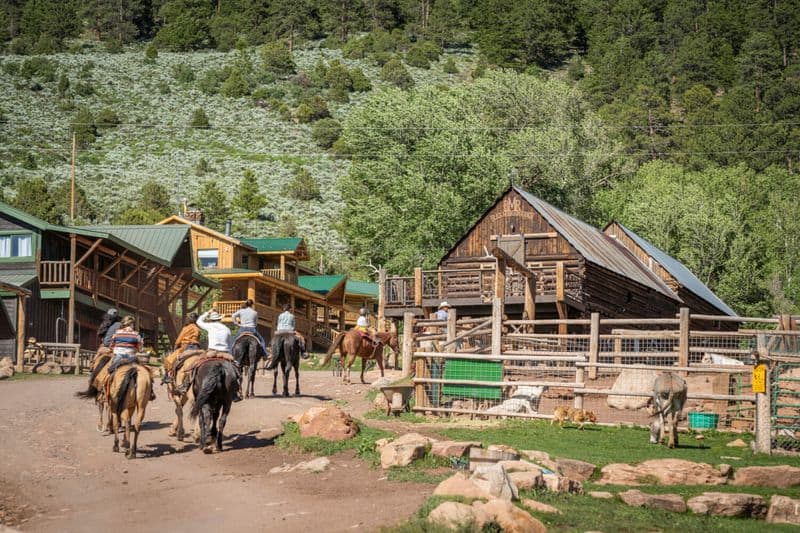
pixel 473 370
pixel 703 420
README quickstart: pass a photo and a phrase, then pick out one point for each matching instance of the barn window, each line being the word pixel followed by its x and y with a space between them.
pixel 16 245
pixel 209 258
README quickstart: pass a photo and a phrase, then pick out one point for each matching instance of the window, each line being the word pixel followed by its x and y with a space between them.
pixel 208 258
pixel 16 245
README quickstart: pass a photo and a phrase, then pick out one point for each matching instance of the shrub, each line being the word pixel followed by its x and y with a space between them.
pixel 326 131
pixel 151 53
pixel 236 85
pixel 164 88
pixel 45 44
pixel 199 119
pixel 211 80
pixel 449 66
pixel 339 96
pixel 357 47
pixel 338 77
pixel 11 68
pixel 38 67
pixel 360 81
pixel 479 70
pixel 63 84
pixel 83 88
pixel 19 46
pixel 318 74
pixel 312 109
pixel 83 126
pixel 304 186
pixel 395 73
pixel 277 58
pixel 86 70
pixel 381 58
pixel 107 118
pixel 183 73
pixel 576 69
pixel 422 53
pixel 114 46
pixel 202 167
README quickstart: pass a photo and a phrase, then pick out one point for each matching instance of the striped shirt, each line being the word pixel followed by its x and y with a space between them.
pixel 126 342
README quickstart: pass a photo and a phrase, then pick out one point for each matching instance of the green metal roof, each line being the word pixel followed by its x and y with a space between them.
pixel 159 242
pixel 277 244
pixel 214 271
pixel 320 284
pixel 20 278
pixel 41 225
pixel 363 288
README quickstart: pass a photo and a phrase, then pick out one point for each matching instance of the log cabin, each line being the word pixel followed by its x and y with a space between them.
pixel 573 269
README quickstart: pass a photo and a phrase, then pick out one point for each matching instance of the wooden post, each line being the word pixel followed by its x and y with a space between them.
pixel 561 305
pixel 283 268
pixel 20 333
pixel 530 299
pixel 497 326
pixel 72 182
pixel 763 416
pixel 500 280
pixel 683 346
pixel 418 287
pixel 251 290
pixel 381 298
pixel 73 244
pixel 618 350
pixel 408 342
pixel 594 344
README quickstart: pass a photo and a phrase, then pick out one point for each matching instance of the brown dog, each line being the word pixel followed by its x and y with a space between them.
pixel 582 416
pixel 561 414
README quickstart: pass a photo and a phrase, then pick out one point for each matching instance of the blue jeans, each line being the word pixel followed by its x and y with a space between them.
pixel 254 331
pixel 119 360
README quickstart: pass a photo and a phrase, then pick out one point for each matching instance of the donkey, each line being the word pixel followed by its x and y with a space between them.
pixel 669 397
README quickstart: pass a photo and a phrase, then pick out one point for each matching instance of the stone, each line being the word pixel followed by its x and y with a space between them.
pixel 49 367
pixel 728 504
pixel 380 382
pixel 781 476
pixel 492 455
pixel 403 450
pixel 320 464
pixel 380 402
pixel 6 362
pixel 450 448
pixel 535 455
pixel 380 443
pixel 557 483
pixel 738 443
pixel 509 517
pixel 454 515
pixel 494 480
pixel 540 507
pixel 331 423
pixel 504 449
pixel 601 494
pixel 783 510
pixel 632 380
pixel 6 372
pixel 575 469
pixel 663 472
pixel 725 469
pixel 527 480
pixel 460 485
pixel 665 502
pixel 519 466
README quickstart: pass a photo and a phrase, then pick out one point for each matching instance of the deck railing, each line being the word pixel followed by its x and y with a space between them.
pixel 285 275
pixel 53 273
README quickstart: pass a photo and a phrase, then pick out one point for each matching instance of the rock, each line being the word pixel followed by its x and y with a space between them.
pixel 6 362
pixel 633 380
pixel 450 448
pixel 519 466
pixel 527 480
pixel 380 402
pixel 454 515
pixel 780 476
pixel 540 507
pixel 380 382
pixel 536 455
pixel 738 443
pixel 601 494
pixel 49 367
pixel 509 517
pixel 331 423
pixel 492 455
pixel 320 464
pixel 557 483
pixel 494 480
pixel 663 472
pixel 380 443
pixel 296 417
pixel 575 469
pixel 285 467
pixel 6 372
pixel 725 469
pixel 666 502
pixel 460 485
pixel 504 449
pixel 783 510
pixel 403 450
pixel 728 504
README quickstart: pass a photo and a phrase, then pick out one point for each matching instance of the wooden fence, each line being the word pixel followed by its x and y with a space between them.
pixel 70 357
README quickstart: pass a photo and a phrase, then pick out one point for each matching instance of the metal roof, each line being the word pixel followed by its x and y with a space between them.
pixel 161 242
pixel 18 278
pixel 320 284
pixel 362 288
pixel 597 247
pixel 679 271
pixel 276 244
pixel 222 271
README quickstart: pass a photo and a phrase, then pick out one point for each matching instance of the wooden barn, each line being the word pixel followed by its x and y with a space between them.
pixel 550 265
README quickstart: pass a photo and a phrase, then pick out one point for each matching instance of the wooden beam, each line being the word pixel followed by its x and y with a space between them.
pixel 560 288
pixel 381 298
pixel 497 326
pixel 683 342
pixel 117 260
pixel 501 255
pixel 200 299
pixel 418 286
pixel 133 272
pixel 152 276
pixel 20 332
pixel 530 299
pixel 179 293
pixel 168 289
pixel 71 302
pixel 500 280
pixel 594 344
pixel 408 343
pixel 85 256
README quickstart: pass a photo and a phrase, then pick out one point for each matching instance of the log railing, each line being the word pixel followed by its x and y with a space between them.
pixel 53 273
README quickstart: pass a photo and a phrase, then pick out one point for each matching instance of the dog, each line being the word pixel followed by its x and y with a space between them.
pixel 565 413
pixel 561 414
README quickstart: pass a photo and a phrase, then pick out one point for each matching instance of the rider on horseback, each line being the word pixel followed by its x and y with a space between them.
pixel 125 342
pixel 107 328
pixel 188 339
pixel 286 325
pixel 219 345
pixel 362 326
pixel 247 319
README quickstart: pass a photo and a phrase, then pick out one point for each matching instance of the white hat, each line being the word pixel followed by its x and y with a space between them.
pixel 444 304
pixel 213 316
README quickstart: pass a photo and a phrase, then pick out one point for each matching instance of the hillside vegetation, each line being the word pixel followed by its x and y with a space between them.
pixel 381 129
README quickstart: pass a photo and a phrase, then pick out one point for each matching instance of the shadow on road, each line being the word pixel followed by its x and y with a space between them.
pixel 248 440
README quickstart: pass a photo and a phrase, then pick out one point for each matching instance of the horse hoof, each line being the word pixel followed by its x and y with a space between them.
pixel 172 433
pixel 115 448
pixel 207 450
pixel 130 455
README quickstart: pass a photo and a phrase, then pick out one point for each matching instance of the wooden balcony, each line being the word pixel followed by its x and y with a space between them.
pixel 277 273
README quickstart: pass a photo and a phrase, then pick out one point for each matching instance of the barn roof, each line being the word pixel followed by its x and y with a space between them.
pixel 362 288
pixel 320 284
pixel 274 244
pixel 682 274
pixel 597 247
pixel 159 241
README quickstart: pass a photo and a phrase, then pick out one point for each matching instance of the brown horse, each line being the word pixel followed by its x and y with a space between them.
pixel 185 363
pixel 128 392
pixel 352 344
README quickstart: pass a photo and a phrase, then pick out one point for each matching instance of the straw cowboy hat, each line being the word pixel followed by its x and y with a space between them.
pixel 443 305
pixel 213 316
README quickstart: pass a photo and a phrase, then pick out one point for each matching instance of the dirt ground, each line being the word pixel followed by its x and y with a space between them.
pixel 58 474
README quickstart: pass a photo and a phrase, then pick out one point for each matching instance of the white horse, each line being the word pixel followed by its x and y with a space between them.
pixel 669 397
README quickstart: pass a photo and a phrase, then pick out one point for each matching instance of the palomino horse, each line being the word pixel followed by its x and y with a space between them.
pixel 286 352
pixel 214 388
pixel 183 367
pixel 352 344
pixel 247 352
pixel 127 392
pixel 96 389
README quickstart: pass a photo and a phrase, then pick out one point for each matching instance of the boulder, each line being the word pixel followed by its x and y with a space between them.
pixel 738 443
pixel 494 480
pixel 5 362
pixel 728 504
pixel 380 402
pixel 633 380
pixel 535 455
pixel 403 450
pixel 519 466
pixel 49 367
pixel 665 502
pixel 575 469
pixel 783 510
pixel 380 382
pixel 450 448
pixel 780 476
pixel 725 469
pixel 527 480
pixel 454 515
pixel 557 483
pixel 509 517
pixel 331 423
pixel 601 494
pixel 460 485
pixel 319 464
pixel 503 449
pixel 6 372
pixel 663 472
pixel 540 507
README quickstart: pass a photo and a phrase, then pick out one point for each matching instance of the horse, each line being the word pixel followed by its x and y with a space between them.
pixel 128 391
pixel 183 367
pixel 214 387
pixel 96 389
pixel 247 352
pixel 352 344
pixel 286 353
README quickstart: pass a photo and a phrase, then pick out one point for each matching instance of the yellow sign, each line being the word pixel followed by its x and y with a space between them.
pixel 760 378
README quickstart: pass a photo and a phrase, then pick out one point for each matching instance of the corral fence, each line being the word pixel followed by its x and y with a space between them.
pixel 527 368
pixel 70 357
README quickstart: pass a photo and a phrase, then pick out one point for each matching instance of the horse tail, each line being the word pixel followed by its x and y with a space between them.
pixel 334 346
pixel 277 353
pixel 128 382
pixel 211 381
pixel 91 391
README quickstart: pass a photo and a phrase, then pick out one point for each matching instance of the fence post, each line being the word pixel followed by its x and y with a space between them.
pixel 497 326
pixel 683 346
pixel 594 344
pixel 20 333
pixel 763 442
pixel 408 342
pixel 418 287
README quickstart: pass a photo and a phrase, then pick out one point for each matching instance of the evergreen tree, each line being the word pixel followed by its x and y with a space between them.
pixel 113 19
pixel 304 186
pixel 759 62
pixel 213 202
pixel 185 24
pixel 55 20
pixel 341 18
pixel 153 196
pixel 292 20
pixel 85 212
pixel 249 201
pixel 33 197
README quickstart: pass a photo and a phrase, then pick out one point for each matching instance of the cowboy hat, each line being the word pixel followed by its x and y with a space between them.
pixel 443 305
pixel 213 316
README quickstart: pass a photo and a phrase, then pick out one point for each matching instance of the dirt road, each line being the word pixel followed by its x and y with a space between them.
pixel 58 474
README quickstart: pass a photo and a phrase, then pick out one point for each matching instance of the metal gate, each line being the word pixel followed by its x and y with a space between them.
pixel 785 406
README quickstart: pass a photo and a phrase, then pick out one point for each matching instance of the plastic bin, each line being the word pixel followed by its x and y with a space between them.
pixel 703 420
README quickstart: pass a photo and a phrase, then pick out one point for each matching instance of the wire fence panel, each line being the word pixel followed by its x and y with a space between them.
pixel 785 406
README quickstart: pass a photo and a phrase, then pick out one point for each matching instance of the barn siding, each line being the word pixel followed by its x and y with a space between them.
pixel 613 295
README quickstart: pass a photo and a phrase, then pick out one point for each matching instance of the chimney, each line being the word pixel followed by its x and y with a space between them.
pixel 193 214
pixel 228 228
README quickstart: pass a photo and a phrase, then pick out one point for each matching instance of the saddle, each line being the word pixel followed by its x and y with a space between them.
pixel 206 360
pixel 185 356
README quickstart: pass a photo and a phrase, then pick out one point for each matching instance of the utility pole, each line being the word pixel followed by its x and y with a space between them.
pixel 72 250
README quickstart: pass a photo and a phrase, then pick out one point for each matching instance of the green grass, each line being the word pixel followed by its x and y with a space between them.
pixel 363 443
pixel 27 376
pixel 405 416
pixel 429 469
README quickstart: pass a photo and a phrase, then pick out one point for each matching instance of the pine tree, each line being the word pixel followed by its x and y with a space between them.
pixel 213 202
pixel 291 20
pixel 341 18
pixel 113 19
pixel 249 201
pixel 185 24
pixel 155 197
pixel 34 198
